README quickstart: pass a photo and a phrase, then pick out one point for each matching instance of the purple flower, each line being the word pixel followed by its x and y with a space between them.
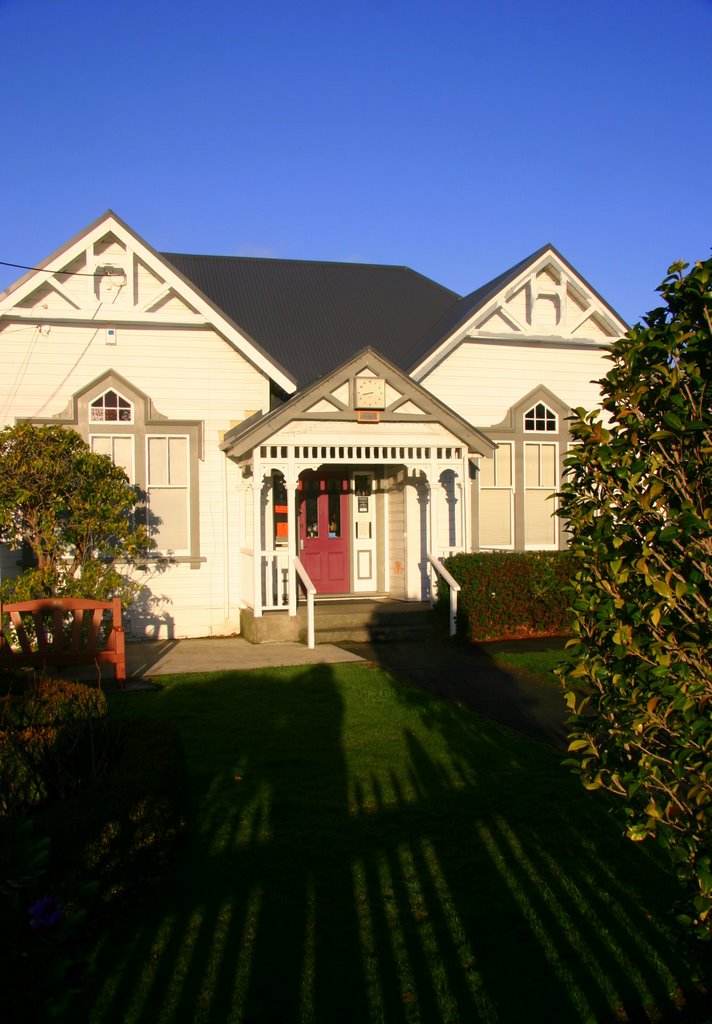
pixel 45 913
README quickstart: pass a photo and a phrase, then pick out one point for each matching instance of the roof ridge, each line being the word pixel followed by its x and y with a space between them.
pixel 312 263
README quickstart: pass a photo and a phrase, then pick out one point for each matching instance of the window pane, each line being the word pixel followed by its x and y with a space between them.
pixel 496 519
pixel 312 515
pixel 123 455
pixel 334 513
pixel 101 445
pixel 548 465
pixel 170 506
pixel 503 456
pixel 540 524
pixel 487 472
pixel 157 461
pixel 531 465
pixel 178 461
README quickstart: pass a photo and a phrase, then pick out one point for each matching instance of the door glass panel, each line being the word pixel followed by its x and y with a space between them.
pixel 334 514
pixel 312 515
pixel 362 485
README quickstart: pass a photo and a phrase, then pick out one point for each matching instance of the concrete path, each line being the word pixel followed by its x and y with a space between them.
pixel 166 657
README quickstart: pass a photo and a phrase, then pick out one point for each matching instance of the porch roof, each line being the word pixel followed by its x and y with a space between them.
pixel 331 400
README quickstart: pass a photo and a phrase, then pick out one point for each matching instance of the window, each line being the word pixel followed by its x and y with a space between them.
pixel 160 456
pixel 540 481
pixel 119 448
pixel 167 487
pixel 540 418
pixel 496 512
pixel 111 408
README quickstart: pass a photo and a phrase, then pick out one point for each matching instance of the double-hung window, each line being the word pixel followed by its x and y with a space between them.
pixel 541 478
pixel 496 512
pixel 167 485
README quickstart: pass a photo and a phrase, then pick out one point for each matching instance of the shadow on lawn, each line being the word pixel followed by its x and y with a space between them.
pixel 472 882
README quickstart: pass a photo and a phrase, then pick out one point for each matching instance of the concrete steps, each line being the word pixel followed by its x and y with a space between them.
pixel 368 621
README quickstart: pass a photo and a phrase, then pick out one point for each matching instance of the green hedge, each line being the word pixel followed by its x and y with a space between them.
pixel 121 831
pixel 511 594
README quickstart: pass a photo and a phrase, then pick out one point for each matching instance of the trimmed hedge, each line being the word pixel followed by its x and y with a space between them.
pixel 121 831
pixel 511 594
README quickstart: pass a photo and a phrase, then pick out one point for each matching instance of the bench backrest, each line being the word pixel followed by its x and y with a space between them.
pixel 63 631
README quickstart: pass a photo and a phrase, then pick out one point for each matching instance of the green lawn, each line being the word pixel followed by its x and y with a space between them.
pixel 536 663
pixel 361 852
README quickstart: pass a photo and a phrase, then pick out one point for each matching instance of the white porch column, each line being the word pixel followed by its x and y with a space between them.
pixel 434 488
pixel 466 502
pixel 291 482
pixel 258 483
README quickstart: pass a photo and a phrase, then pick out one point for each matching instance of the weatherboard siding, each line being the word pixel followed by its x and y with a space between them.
pixel 482 380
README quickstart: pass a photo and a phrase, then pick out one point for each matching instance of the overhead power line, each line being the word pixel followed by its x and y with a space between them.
pixel 43 270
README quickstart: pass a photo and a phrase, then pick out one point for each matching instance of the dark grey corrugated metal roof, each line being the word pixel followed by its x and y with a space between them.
pixel 312 316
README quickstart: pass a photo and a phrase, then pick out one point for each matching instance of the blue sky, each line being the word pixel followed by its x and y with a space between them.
pixel 453 137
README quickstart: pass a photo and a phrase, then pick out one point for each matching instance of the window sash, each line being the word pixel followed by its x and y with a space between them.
pixel 119 448
pixel 167 485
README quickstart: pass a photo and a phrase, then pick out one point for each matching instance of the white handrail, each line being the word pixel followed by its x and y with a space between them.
pixel 311 590
pixel 454 590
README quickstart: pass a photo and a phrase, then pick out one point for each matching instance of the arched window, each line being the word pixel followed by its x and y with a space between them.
pixel 111 407
pixel 541 418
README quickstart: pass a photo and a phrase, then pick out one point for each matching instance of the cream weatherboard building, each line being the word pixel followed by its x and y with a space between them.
pixel 346 419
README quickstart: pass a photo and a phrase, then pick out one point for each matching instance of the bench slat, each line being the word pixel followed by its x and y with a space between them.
pixel 57 630
pixel 21 632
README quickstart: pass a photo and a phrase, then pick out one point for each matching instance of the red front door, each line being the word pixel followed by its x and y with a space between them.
pixel 324 530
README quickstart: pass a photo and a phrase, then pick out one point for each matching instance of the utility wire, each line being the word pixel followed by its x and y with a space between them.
pixel 43 270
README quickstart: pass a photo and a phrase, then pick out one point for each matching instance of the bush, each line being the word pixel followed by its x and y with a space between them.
pixel 510 594
pixel 638 499
pixel 73 510
pixel 121 831
pixel 54 739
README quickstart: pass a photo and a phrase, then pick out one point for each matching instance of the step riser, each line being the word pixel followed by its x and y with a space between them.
pixel 369 634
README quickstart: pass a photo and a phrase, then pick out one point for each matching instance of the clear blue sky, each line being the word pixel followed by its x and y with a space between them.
pixel 453 137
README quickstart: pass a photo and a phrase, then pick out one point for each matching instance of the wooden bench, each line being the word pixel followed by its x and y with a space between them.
pixel 67 631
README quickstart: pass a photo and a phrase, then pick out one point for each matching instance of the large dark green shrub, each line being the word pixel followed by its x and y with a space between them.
pixel 54 739
pixel 511 594
pixel 121 830
pixel 638 500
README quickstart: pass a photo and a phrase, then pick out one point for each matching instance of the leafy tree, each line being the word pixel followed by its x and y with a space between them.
pixel 75 511
pixel 638 502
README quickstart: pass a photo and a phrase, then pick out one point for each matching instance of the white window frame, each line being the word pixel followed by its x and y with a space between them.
pixel 546 488
pixel 502 487
pixel 92 403
pixel 185 487
pixel 548 412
